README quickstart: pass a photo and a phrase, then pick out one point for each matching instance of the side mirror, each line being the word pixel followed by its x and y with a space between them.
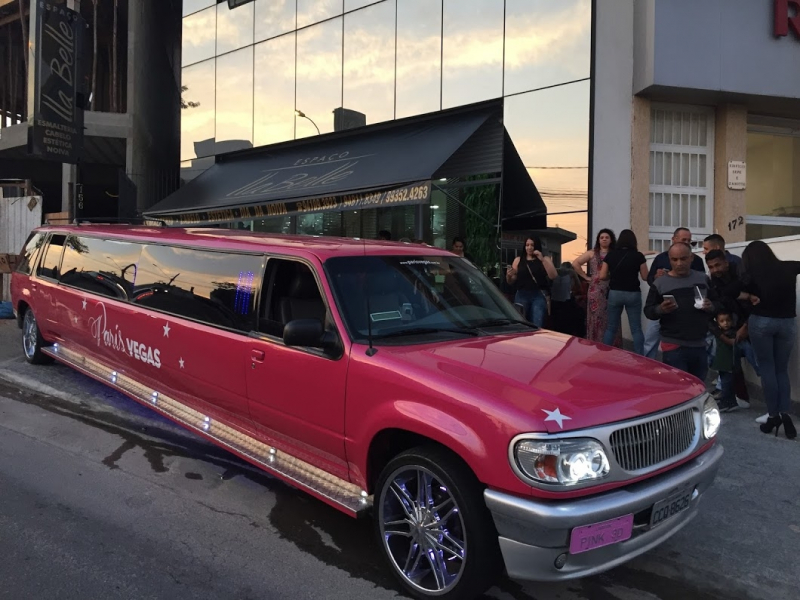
pixel 310 333
pixel 303 332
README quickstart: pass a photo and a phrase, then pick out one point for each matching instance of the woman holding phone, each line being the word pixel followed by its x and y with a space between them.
pixel 532 274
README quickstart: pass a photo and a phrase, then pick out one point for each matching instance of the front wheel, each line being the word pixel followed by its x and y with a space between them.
pixel 32 341
pixel 434 527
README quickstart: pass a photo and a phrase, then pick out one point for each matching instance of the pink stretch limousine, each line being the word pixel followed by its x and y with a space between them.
pixel 383 378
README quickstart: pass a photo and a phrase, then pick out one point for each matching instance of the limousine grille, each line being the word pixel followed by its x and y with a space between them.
pixel 647 444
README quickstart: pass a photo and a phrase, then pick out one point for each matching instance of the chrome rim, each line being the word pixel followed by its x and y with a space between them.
pixel 422 530
pixel 29 334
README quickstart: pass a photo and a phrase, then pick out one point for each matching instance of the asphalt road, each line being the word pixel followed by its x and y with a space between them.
pixel 100 499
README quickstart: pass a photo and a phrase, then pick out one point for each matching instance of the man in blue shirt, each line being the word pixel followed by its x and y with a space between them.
pixel 659 268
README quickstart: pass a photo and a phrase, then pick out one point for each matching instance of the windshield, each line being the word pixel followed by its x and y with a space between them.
pixel 405 297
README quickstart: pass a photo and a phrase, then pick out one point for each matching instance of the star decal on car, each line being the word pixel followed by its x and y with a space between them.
pixel 166 330
pixel 180 362
pixel 555 415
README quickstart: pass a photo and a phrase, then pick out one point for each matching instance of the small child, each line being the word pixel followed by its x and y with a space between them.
pixel 723 360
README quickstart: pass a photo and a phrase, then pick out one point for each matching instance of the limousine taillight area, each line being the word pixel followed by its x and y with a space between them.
pixel 387 379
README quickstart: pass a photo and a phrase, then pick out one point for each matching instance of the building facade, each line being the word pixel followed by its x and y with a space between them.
pixel 267 72
pixel 697 118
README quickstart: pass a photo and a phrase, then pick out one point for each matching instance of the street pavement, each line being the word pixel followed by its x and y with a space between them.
pixel 99 498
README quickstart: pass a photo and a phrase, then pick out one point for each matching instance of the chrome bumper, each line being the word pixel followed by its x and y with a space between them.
pixel 533 533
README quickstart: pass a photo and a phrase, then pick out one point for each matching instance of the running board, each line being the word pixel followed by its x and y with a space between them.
pixel 335 491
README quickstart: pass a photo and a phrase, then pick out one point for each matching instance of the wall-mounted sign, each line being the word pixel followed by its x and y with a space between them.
pixel 784 20
pixel 737 175
pixel 56 132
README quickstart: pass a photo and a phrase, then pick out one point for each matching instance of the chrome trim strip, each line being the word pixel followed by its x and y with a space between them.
pixel 345 495
pixel 602 434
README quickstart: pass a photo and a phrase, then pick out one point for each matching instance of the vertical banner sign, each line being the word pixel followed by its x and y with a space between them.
pixel 57 129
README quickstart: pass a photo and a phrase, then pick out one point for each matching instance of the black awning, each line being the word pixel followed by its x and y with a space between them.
pixel 379 165
pixel 523 207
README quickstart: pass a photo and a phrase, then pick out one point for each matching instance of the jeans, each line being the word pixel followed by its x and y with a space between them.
pixel 632 303
pixel 534 305
pixel 726 382
pixel 772 340
pixel 689 359
pixel 652 339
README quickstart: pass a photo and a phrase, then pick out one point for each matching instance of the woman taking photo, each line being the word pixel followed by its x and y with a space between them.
pixel 622 268
pixel 772 327
pixel 597 313
pixel 532 273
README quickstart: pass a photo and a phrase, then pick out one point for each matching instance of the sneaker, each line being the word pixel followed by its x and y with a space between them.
pixel 762 419
pixel 723 408
pixel 742 403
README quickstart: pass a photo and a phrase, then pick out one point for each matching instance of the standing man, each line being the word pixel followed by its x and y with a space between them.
pixel 684 319
pixel 660 266
pixel 716 242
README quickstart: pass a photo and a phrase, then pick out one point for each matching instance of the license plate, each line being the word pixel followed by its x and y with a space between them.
pixel 669 507
pixel 601 534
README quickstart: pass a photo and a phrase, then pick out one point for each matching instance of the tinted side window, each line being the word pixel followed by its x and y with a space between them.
pixel 52 257
pixel 217 288
pixel 290 292
pixel 30 252
pixel 105 267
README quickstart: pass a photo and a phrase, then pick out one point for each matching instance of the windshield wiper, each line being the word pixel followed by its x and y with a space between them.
pixel 424 330
pixel 498 322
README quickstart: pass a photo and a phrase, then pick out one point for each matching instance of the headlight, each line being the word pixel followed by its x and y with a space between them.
pixel 564 462
pixel 711 418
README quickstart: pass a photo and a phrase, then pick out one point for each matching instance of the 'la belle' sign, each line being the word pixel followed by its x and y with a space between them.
pixel 56 132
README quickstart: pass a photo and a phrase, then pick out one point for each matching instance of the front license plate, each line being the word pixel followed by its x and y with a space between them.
pixel 669 507
pixel 601 534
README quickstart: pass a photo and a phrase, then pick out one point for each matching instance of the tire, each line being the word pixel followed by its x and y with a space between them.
pixel 450 521
pixel 32 340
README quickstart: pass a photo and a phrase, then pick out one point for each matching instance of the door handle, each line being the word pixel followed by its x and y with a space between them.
pixel 257 356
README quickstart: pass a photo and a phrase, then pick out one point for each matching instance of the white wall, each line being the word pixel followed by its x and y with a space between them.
pixel 613 116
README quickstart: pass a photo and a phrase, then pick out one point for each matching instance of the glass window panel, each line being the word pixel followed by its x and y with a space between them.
pixel 369 62
pixel 659 168
pixel 693 159
pixel 675 205
pixel 192 6
pixel 192 168
pixel 546 43
pixel 199 36
pixel 692 211
pixel 274 91
pixel 274 17
pixel 197 120
pixel 234 27
pixel 319 76
pixel 235 98
pixel 703 130
pixel 652 209
pixel 550 128
pixel 652 167
pixel 472 49
pixel 104 267
pixel 684 209
pixel 773 178
pixel 314 11
pixel 419 47
pixel 356 4
pixel 684 169
pixel 701 207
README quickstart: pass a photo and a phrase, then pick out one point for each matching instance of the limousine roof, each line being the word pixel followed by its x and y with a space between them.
pixel 322 247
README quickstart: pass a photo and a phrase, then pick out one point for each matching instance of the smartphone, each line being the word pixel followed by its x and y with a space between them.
pixel 669 297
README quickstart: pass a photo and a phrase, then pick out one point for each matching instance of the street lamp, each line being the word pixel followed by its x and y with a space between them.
pixel 301 114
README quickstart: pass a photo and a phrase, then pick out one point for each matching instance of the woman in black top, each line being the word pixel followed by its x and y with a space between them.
pixel 532 274
pixel 772 326
pixel 624 265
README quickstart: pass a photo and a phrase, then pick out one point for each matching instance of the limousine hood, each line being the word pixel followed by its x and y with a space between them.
pixel 562 383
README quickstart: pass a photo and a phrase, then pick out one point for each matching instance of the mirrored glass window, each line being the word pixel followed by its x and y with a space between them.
pixel 234 27
pixel 199 36
pixel 314 11
pixel 356 4
pixel 274 17
pixel 369 62
pixel 546 43
pixel 472 51
pixel 192 168
pixel 192 6
pixel 197 118
pixel 550 129
pixel 235 99
pixel 419 48
pixel 319 76
pixel 274 91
